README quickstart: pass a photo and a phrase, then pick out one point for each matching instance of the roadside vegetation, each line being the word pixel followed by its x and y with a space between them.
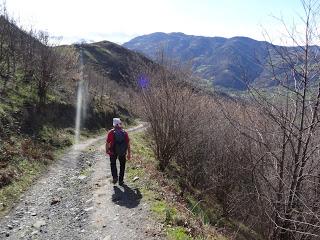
pixel 253 161
pixel 182 217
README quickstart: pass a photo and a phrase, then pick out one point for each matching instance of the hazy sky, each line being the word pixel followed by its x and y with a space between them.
pixel 121 20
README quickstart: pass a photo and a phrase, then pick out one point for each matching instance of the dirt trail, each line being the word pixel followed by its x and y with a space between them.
pixel 75 199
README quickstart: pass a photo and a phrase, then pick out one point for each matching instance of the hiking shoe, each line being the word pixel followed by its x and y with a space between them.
pixel 114 181
pixel 121 183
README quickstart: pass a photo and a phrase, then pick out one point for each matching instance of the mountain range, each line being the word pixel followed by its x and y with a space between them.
pixel 222 63
pixel 226 63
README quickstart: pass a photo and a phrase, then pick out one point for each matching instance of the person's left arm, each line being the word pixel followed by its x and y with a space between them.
pixel 129 150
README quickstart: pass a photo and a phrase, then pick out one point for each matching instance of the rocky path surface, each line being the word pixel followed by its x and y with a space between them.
pixel 75 199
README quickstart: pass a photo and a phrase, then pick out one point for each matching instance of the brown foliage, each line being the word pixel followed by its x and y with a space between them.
pixel 257 158
pixel 7 176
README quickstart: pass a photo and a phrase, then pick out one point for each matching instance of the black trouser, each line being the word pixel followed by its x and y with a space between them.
pixel 113 164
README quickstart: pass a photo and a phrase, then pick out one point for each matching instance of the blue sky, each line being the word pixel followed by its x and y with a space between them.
pixel 120 20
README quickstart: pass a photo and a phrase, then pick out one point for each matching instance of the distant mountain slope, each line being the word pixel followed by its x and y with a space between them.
pixel 112 60
pixel 222 61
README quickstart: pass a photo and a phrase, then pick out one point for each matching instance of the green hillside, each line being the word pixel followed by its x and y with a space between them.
pixel 112 61
pixel 38 84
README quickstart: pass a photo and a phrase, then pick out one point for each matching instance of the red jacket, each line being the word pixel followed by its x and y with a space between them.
pixel 110 140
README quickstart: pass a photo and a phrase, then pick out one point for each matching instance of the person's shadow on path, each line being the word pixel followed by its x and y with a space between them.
pixel 127 197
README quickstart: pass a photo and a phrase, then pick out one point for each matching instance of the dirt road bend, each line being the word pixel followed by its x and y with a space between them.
pixel 75 199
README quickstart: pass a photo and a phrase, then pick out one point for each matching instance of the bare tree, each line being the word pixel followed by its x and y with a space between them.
pixel 51 64
pixel 283 128
pixel 259 158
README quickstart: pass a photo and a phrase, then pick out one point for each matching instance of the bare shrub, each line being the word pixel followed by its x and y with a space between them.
pixel 193 135
pixel 258 157
pixel 166 100
pixel 281 143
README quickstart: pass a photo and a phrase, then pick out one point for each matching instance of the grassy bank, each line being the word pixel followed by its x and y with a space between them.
pixel 181 218
pixel 24 159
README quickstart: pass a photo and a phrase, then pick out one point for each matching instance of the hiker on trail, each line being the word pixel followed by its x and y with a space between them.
pixel 118 146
